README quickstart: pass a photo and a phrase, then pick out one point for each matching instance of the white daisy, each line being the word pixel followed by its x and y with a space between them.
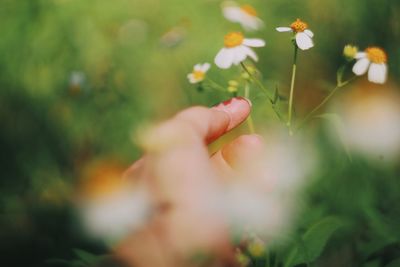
pixel 373 60
pixel 236 50
pixel 199 73
pixel 245 15
pixel 303 35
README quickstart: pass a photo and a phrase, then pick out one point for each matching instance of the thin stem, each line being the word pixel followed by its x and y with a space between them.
pixel 216 85
pixel 257 81
pixel 264 89
pixel 250 121
pixel 326 99
pixel 290 108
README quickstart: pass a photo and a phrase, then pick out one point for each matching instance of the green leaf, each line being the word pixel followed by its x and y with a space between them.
pixel 312 243
pixel 86 257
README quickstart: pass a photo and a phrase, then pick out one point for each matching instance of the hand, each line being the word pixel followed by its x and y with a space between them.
pixel 183 180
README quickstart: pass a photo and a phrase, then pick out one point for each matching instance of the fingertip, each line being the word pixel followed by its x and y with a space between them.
pixel 238 109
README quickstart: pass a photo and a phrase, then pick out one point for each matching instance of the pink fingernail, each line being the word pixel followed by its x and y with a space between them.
pixel 235 107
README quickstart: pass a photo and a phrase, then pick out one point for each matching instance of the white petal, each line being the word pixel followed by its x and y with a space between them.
pixel 304 41
pixel 249 52
pixel 239 54
pixel 191 78
pixel 361 66
pixel 360 55
pixel 224 58
pixel 254 42
pixel 377 73
pixel 309 33
pixel 197 67
pixel 251 23
pixel 232 13
pixel 284 29
pixel 205 67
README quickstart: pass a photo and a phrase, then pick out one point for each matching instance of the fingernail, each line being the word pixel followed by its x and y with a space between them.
pixel 238 109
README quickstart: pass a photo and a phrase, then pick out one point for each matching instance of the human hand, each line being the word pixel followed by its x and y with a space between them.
pixel 183 181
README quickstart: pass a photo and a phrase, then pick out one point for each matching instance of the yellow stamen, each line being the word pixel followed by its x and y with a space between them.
pixel 376 55
pixel 198 75
pixel 299 26
pixel 249 10
pixel 233 39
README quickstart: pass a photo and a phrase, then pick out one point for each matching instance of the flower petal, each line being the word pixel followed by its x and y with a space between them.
pixel 304 41
pixel 239 54
pixel 251 23
pixel 361 66
pixel 284 29
pixel 197 67
pixel 249 52
pixel 360 55
pixel 224 58
pixel 205 67
pixel 232 13
pixel 377 73
pixel 254 42
pixel 309 33
pixel 191 78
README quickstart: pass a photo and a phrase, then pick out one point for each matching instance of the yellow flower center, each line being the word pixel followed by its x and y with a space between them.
pixel 376 55
pixel 249 10
pixel 299 26
pixel 233 39
pixel 198 75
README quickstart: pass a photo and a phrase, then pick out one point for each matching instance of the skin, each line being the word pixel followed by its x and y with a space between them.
pixel 180 175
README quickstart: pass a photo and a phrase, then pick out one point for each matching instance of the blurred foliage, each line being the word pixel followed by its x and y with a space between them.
pixel 78 78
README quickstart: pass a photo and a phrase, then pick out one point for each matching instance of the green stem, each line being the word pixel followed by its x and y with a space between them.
pixel 250 121
pixel 257 81
pixel 216 85
pixel 267 92
pixel 326 99
pixel 290 108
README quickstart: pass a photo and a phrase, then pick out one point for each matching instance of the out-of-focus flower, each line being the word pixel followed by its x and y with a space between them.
pixel 245 15
pixel 350 52
pixel 173 37
pixel 373 60
pixel 236 50
pixel 257 247
pixel 199 73
pixel 303 35
pixel 110 206
pixel 371 122
pixel 76 82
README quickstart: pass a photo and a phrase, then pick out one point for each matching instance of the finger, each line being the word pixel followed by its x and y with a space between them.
pixel 239 154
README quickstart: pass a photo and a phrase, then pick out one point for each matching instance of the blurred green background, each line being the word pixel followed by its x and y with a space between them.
pixel 79 78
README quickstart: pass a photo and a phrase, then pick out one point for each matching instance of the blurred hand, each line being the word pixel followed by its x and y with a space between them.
pixel 183 180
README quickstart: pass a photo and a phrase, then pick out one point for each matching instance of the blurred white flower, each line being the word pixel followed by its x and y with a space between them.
pixel 245 15
pixel 115 215
pixel 371 123
pixel 303 35
pixel 236 50
pixel 264 196
pixel 199 73
pixel 373 60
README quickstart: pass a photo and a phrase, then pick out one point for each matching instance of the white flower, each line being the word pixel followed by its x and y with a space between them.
pixel 245 15
pixel 236 50
pixel 199 73
pixel 373 60
pixel 303 35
